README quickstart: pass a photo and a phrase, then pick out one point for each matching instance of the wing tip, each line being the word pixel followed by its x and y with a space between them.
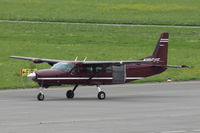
pixel 12 56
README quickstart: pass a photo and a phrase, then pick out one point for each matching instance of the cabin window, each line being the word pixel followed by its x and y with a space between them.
pixel 89 69
pixel 63 66
pixel 98 69
pixel 109 69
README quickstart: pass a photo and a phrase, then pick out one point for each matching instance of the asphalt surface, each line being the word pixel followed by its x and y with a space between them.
pixel 129 25
pixel 130 108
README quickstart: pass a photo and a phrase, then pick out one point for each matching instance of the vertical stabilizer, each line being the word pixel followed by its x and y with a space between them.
pixel 161 49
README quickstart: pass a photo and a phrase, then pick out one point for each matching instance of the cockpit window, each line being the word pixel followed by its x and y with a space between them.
pixel 75 70
pixel 63 66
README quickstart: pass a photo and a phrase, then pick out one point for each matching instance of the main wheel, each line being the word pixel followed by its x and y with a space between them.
pixel 101 95
pixel 70 94
pixel 40 97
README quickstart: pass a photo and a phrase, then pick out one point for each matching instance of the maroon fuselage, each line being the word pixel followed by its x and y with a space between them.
pixel 101 72
pixel 53 77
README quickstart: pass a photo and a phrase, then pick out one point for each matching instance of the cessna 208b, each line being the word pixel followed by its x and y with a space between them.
pixel 99 72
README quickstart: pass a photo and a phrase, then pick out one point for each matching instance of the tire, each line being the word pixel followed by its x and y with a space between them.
pixel 70 94
pixel 101 95
pixel 40 97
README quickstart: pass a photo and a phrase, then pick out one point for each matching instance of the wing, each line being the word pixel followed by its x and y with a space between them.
pixel 97 63
pixel 38 60
pixel 113 62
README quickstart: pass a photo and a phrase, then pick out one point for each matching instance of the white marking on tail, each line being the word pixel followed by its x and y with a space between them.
pixel 163 40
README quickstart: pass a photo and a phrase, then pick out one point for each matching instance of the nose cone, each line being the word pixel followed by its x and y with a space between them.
pixel 32 75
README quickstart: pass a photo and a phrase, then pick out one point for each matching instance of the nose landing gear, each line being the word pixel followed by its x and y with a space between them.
pixel 40 95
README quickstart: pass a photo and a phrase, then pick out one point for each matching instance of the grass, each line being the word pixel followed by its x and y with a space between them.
pixel 164 12
pixel 97 43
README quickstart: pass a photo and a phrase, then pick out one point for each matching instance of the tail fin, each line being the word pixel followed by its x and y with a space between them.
pixel 161 49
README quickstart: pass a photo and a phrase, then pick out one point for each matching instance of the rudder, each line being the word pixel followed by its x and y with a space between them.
pixel 161 49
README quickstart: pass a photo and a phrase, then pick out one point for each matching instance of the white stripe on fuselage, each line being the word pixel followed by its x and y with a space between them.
pixel 84 78
pixel 134 77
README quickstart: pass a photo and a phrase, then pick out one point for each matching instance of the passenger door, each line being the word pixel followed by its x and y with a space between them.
pixel 119 74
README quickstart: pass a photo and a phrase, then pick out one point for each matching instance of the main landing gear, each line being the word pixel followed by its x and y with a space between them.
pixel 70 93
pixel 101 95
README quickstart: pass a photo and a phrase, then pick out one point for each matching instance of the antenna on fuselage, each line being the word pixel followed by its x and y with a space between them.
pixel 76 58
pixel 85 59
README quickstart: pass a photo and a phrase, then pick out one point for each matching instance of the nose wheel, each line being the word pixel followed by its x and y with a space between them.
pixel 101 95
pixel 40 96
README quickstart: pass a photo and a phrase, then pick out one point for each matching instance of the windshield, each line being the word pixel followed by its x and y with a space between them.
pixel 63 66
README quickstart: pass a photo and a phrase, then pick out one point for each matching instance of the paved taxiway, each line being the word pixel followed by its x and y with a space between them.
pixel 130 108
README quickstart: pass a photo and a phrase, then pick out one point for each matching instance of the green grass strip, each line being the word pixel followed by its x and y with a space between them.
pixel 97 43
pixel 163 12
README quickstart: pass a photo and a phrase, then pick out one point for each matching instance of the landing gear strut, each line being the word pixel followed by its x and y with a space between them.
pixel 70 93
pixel 40 96
pixel 101 95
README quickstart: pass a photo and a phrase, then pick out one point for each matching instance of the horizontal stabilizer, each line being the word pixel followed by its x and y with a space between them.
pixel 174 66
pixel 171 66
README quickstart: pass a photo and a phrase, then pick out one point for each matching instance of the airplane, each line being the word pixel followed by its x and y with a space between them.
pixel 99 72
